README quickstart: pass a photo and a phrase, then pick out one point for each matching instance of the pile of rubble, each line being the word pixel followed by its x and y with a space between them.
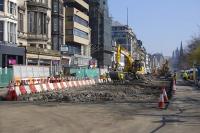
pixel 100 93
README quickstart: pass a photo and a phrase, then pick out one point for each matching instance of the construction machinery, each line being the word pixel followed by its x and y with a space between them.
pixel 163 71
pixel 131 68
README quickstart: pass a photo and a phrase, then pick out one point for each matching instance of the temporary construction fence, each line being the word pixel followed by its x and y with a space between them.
pixel 6 75
pixel 22 72
pixel 85 73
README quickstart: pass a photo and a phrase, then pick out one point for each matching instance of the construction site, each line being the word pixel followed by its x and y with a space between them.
pixel 88 105
pixel 121 84
pixel 119 100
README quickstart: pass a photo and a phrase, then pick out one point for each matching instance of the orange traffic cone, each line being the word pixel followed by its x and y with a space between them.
pixel 161 103
pixel 174 87
pixel 165 96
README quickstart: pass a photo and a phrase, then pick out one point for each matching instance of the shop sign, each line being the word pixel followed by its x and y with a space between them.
pixel 64 48
pixel 12 61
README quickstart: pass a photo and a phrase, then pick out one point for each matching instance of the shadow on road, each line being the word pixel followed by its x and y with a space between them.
pixel 165 120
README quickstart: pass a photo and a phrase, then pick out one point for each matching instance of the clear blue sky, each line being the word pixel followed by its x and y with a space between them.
pixel 160 24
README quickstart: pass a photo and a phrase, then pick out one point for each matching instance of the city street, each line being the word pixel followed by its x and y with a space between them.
pixel 182 116
pixel 99 66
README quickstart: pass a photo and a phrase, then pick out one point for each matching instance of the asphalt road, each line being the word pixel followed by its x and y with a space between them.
pixel 182 116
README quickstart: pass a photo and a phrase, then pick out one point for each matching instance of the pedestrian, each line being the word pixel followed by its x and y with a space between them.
pixel 175 77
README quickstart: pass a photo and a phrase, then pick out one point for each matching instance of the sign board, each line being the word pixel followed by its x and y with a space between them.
pixel 64 48
pixel 12 61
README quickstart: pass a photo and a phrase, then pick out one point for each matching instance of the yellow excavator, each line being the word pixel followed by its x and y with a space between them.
pixel 131 69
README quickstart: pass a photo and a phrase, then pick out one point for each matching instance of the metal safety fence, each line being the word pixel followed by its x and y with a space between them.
pixel 6 75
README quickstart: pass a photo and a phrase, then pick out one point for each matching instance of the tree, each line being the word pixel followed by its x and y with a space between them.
pixel 193 51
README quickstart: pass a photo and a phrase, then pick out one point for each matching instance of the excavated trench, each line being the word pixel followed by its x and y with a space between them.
pixel 99 94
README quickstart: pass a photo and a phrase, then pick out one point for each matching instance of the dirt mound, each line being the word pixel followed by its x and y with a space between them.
pixel 101 93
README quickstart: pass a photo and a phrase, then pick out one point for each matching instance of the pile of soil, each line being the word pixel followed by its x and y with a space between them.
pixel 100 93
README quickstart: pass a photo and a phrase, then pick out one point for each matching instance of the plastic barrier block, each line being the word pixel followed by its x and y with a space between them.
pixel 22 90
pixel 17 90
pixel 28 90
pixel 33 89
pixel 38 88
pixel 59 86
pixel 51 86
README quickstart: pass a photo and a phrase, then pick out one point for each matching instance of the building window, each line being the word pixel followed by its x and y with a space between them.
pixel 39 19
pixel 12 8
pixel 43 1
pixel 20 22
pixel 1 30
pixel 32 45
pixel 8 29
pixel 41 23
pixel 2 5
pixel 13 32
pixel 55 43
pixel 40 45
pixel 69 32
pixel 61 26
pixel 80 33
pixel 60 42
pixel 69 18
pixel 55 24
pixel 77 32
pixel 31 22
pixel 74 49
pixel 61 8
pixel 45 24
pixel 81 21
pixel 55 6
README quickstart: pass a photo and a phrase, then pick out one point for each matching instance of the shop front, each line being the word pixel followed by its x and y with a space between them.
pixel 10 55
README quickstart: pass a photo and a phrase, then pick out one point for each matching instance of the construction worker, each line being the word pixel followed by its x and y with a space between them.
pixel 121 75
pixel 185 76
pixel 175 77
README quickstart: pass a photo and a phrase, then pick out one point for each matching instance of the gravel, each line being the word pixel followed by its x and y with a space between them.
pixel 99 93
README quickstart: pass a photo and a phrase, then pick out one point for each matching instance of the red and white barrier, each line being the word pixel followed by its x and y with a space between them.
pixel 17 91
pixel 44 87
pixel 38 88
pixel 28 90
pixel 69 84
pixel 51 86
